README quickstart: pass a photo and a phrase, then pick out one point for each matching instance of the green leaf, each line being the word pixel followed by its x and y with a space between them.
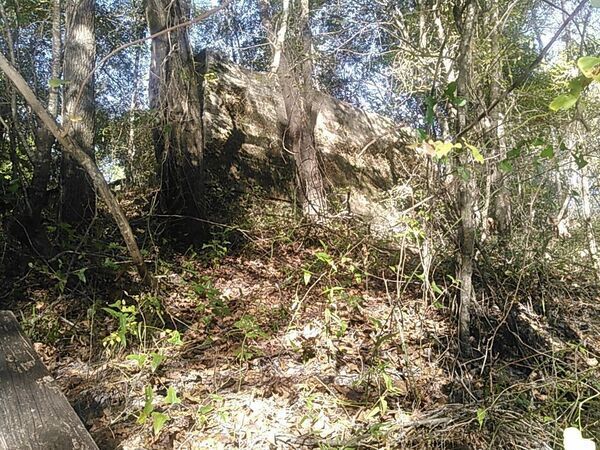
pixel 307 276
pixel 148 408
pixel 481 415
pixel 563 102
pixel 514 152
pixel 57 82
pixel 157 359
pixel 175 338
pixel 442 148
pixel 538 141
pixel 140 358
pixel 435 288
pixel 460 102
pixel 450 91
pixel 548 152
pixel 463 173
pixel 477 156
pixel 203 410
pixel 374 412
pixel 589 66
pixel 171 398
pixel 112 312
pixel 81 275
pixel 158 421
pixel 327 259
pixel 577 85
pixel 595 3
pixel 109 263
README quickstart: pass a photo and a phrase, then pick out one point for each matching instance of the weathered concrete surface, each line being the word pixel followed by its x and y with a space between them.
pixel 363 154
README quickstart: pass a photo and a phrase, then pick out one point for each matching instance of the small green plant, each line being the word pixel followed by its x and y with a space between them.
pixel 217 248
pixel 42 324
pixel 172 398
pixel 202 416
pixel 159 419
pixel 156 358
pixel 377 377
pixel 205 289
pixel 128 324
pixel 333 292
pixel 335 324
pixel 153 305
pixel 110 264
pixel 139 358
pixel 173 337
pixel 211 406
pixel 250 330
pixel 57 274
pixel 148 406
pixel 211 301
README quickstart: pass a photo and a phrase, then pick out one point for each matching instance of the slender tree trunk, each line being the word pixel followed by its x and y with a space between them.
pixel 174 95
pixel 466 187
pixel 42 157
pixel 295 78
pixel 78 199
pixel 131 166
pixel 275 37
pixel 499 195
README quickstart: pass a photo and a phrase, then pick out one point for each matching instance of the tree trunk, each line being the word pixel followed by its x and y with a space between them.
pixel 276 38
pixel 174 95
pixel 42 157
pixel 78 200
pixel 500 198
pixel 131 166
pixel 466 185
pixel 295 78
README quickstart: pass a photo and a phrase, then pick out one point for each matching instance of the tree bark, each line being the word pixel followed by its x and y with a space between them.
pixel 42 157
pixel 71 147
pixel 466 187
pixel 175 96
pixel 294 70
pixel 132 176
pixel 78 200
pixel 500 198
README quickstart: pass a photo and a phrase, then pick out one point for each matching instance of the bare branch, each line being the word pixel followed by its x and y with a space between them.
pixel 88 164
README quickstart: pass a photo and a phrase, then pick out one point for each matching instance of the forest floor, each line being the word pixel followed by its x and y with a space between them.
pixel 283 335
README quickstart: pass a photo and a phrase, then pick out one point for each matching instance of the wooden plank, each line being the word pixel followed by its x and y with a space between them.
pixel 34 413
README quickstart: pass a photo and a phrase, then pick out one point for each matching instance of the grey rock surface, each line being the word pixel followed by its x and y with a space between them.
pixel 365 161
